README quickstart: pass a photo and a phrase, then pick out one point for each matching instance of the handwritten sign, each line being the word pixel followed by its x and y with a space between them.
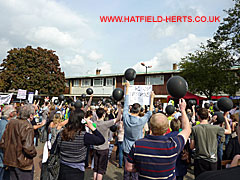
pixel 5 99
pixel 21 94
pixel 30 97
pixel 140 94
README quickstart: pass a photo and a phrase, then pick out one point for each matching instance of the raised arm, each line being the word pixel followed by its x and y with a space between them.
pixel 126 100
pixel 152 100
pixel 227 125
pixel 119 115
pixel 93 139
pixel 193 115
pixel 88 104
pixel 186 127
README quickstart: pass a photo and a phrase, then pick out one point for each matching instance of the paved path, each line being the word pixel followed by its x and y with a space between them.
pixel 113 173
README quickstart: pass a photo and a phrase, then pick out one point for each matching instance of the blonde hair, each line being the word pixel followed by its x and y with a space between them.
pixel 57 118
pixel 159 124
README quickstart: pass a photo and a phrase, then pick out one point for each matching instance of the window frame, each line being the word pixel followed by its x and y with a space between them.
pixel 147 79
pixel 74 84
pixel 83 80
pixel 102 82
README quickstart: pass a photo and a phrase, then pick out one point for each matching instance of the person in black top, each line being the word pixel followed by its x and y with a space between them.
pixel 74 141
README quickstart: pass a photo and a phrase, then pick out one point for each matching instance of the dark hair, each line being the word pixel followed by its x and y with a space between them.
pixel 73 126
pixel 135 108
pixel 88 113
pixel 100 112
pixel 175 124
pixel 203 113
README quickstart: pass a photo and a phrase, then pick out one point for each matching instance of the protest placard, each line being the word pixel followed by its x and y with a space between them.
pixel 140 94
pixel 30 97
pixel 5 99
pixel 21 94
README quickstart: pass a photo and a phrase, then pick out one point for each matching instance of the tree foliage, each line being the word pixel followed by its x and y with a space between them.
pixel 32 69
pixel 209 70
pixel 228 33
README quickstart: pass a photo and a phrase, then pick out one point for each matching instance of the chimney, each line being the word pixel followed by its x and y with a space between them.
pixel 174 66
pixel 98 71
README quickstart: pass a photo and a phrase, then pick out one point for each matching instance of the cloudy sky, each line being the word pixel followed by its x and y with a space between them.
pixel 73 29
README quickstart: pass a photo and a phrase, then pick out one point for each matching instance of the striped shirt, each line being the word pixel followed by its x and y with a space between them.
pixel 155 156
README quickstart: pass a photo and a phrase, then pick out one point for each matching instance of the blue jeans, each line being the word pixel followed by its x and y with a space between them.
pixel 1 173
pixel 4 174
pixel 227 137
pixel 111 146
pixel 120 151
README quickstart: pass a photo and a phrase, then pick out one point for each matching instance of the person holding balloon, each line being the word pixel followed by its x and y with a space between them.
pixel 133 126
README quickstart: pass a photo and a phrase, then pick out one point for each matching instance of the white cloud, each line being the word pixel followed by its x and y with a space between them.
pixel 4 47
pixel 172 54
pixel 94 56
pixel 106 68
pixel 48 24
pixel 78 60
pixel 51 36
pixel 167 29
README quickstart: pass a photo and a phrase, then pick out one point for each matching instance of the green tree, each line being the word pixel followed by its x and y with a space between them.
pixel 32 69
pixel 228 33
pixel 208 71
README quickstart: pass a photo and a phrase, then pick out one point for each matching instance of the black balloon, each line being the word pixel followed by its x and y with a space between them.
pixel 192 102
pixel 130 74
pixel 113 128
pixel 61 97
pixel 56 101
pixel 78 104
pixel 84 96
pixel 170 109
pixel 72 103
pixel 220 117
pixel 225 104
pixel 117 94
pixel 89 91
pixel 177 87
pixel 207 105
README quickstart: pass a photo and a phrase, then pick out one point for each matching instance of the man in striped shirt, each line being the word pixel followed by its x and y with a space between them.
pixel 154 157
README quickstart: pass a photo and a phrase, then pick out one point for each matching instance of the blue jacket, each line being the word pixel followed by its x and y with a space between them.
pixel 3 123
pixel 133 126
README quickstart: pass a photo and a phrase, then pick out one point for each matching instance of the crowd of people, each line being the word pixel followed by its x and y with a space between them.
pixel 150 143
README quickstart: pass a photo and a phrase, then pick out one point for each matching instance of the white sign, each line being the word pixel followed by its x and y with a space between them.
pixel 53 98
pixel 21 94
pixel 5 99
pixel 140 94
pixel 30 97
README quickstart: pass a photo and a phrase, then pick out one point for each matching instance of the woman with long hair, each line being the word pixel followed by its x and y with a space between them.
pixel 73 142
pixel 56 126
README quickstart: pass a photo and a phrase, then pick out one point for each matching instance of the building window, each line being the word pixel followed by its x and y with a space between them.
pixel 76 82
pixel 109 82
pixel 155 80
pixel 124 81
pixel 86 82
pixel 98 82
pixel 67 84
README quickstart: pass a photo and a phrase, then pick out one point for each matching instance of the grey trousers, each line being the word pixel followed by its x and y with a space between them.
pixel 19 174
pixel 128 175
